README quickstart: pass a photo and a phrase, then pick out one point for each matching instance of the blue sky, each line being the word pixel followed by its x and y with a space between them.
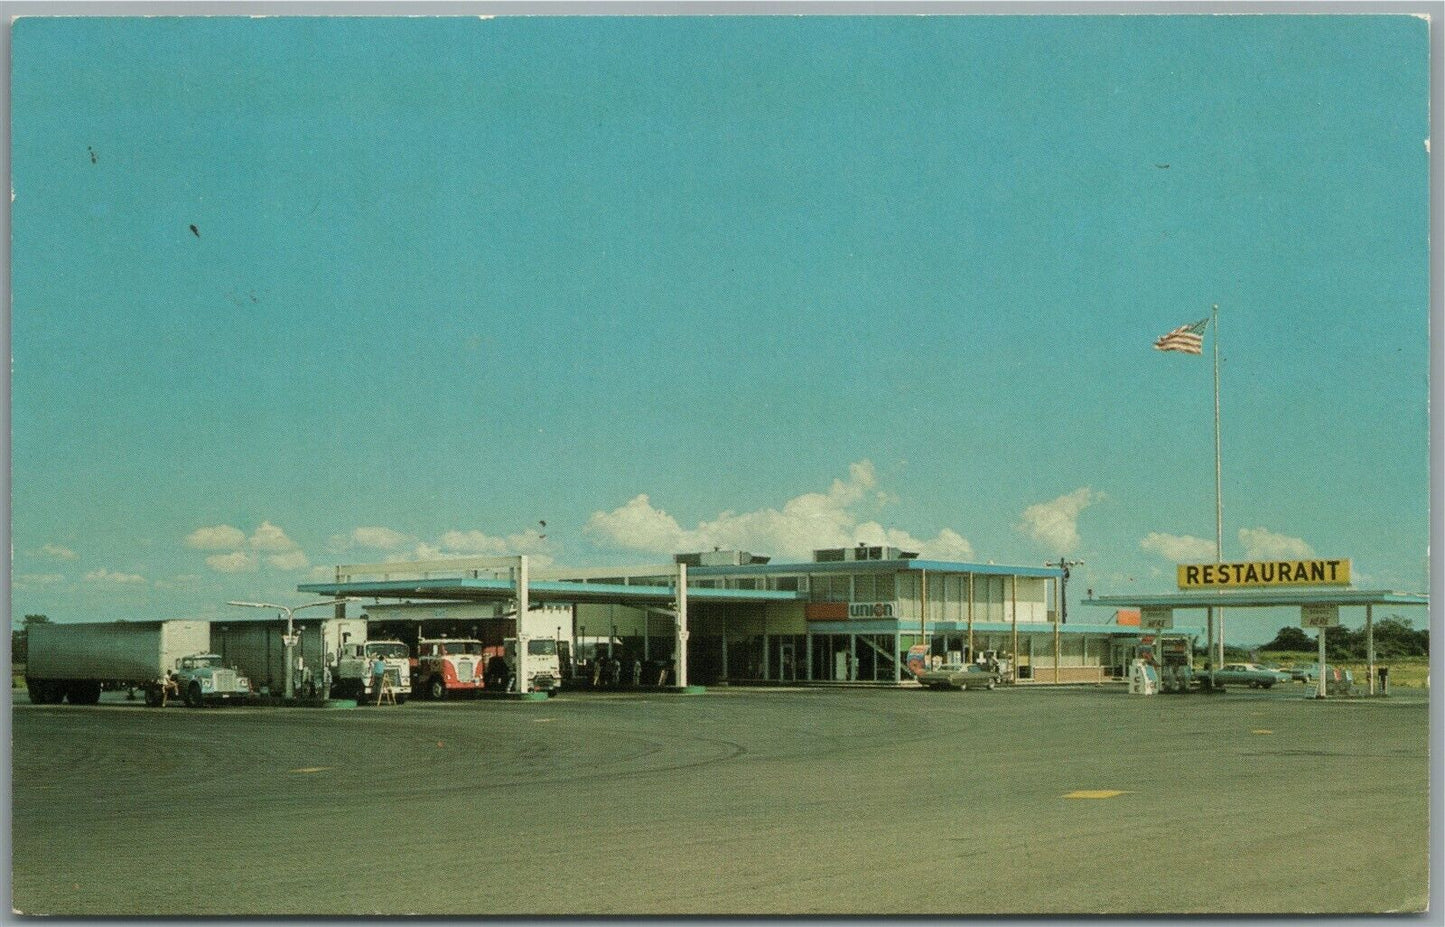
pixel 775 283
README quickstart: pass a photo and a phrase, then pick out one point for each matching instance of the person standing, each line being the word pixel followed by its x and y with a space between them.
pixel 378 677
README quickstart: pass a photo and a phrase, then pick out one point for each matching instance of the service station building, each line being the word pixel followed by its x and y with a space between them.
pixel 849 615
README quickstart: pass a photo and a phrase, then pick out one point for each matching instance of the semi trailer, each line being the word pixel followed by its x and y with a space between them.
pixel 75 662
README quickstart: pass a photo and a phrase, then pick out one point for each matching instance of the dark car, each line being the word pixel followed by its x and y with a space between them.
pixel 958 676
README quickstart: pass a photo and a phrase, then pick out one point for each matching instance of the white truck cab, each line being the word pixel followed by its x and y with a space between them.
pixel 352 678
pixel 544 669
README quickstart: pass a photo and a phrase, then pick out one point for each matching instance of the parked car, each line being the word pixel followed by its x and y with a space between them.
pixel 958 676
pixel 1335 678
pixel 1244 674
pixel 1310 672
pixel 1280 673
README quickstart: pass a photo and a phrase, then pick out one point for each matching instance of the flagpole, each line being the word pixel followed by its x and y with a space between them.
pixel 1218 483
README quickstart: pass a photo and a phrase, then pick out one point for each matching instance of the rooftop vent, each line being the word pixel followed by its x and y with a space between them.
pixel 720 558
pixel 861 552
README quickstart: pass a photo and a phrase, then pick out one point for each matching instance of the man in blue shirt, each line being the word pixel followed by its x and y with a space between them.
pixel 378 677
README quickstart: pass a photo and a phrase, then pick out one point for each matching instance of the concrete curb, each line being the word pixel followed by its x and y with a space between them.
pixel 276 701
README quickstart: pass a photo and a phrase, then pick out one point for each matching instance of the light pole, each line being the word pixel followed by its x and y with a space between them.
pixel 1063 614
pixel 1064 565
pixel 290 637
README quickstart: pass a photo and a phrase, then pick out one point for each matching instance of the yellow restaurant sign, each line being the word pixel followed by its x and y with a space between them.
pixel 1264 573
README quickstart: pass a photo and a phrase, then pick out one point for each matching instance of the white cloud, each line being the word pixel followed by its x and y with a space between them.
pixel 805 523
pixel 291 560
pixel 216 537
pixel 478 543
pixel 237 562
pixel 107 576
pixel 948 545
pixel 29 580
pixel 473 543
pixel 1055 525
pixel 636 525
pixel 379 538
pixel 1262 544
pixel 271 538
pixel 57 552
pixel 1179 548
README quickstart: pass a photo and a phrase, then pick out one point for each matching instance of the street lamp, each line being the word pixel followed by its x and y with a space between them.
pixel 290 638
pixel 1064 565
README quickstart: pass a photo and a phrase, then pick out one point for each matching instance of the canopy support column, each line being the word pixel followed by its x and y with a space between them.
pixel 519 579
pixel 682 625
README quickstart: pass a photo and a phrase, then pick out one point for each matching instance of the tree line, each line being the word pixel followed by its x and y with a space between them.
pixel 1394 637
pixel 19 649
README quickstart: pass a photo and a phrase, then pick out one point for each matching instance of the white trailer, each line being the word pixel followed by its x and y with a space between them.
pixel 328 654
pixel 75 662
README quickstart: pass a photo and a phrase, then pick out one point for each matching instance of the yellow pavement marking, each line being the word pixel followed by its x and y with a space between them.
pixel 1261 731
pixel 311 769
pixel 1095 793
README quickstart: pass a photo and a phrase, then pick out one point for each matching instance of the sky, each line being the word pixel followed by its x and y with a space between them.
pixel 295 292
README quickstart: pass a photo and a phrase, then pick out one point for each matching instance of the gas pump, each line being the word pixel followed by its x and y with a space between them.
pixel 1176 664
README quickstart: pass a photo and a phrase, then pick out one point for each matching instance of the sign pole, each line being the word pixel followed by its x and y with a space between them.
pixel 1320 690
pixel 1370 645
pixel 1218 481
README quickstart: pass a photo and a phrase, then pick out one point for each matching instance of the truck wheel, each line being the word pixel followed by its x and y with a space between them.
pixel 83 693
pixel 193 695
pixel 437 688
pixel 400 698
pixel 153 696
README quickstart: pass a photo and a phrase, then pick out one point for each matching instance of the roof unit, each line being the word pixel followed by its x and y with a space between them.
pixel 861 552
pixel 720 558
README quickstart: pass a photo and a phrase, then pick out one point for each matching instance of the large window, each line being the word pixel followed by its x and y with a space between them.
pixel 830 588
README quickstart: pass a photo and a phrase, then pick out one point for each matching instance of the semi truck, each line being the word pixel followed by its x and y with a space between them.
pixel 352 675
pixel 333 656
pixel 75 662
pixel 465 666
pixel 452 666
pixel 544 666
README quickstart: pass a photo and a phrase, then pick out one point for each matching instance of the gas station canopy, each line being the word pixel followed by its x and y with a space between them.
pixel 1262 598
pixel 483 589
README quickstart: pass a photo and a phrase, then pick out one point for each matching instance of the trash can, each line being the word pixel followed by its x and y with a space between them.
pixel 1382 673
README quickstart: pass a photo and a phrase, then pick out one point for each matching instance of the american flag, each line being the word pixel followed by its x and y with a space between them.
pixel 1186 338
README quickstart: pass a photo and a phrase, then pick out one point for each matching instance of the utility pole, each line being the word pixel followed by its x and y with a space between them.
pixel 1064 565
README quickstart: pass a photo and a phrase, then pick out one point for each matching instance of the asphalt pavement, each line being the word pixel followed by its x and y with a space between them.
pixel 737 801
